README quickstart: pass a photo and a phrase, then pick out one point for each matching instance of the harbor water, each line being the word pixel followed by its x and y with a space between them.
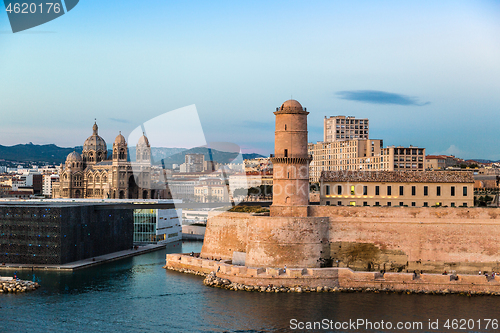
pixel 138 295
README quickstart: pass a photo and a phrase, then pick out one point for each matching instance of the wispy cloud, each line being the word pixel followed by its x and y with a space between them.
pixel 124 121
pixel 379 97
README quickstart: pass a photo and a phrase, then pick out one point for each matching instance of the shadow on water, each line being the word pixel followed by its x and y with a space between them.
pixel 138 295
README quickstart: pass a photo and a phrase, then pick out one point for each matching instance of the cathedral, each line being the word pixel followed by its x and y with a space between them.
pixel 92 174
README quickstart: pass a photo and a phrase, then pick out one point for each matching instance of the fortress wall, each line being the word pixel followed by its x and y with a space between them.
pixel 457 238
pixel 291 241
pixel 343 278
pixel 225 234
pixel 295 211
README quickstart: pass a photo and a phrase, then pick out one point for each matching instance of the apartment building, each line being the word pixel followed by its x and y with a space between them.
pixel 362 155
pixel 344 155
pixel 402 158
pixel 340 128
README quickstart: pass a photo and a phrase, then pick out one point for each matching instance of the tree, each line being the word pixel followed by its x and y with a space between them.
pixel 240 192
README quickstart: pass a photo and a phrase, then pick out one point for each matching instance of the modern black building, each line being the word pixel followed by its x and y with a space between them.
pixel 58 233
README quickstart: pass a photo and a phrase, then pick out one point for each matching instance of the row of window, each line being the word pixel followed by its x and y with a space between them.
pixel 355 132
pixel 353 189
pixel 352 121
pixel 389 204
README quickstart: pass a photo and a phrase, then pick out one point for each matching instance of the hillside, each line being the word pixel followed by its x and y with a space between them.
pixel 54 155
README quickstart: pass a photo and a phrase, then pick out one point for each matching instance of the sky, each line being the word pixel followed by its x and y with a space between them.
pixel 425 73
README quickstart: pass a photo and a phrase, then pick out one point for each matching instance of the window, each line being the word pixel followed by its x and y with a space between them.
pixel 401 190
pixel 377 190
pixel 352 203
pixel 286 152
pixel 452 204
pixel 389 204
pixel 365 203
pixel 413 204
pixel 438 191
pixel 365 190
pixel 426 204
pixel 453 192
pixel 339 203
pixel 377 203
pixel 327 189
pixel 401 203
pixel 465 204
pixel 285 127
pixel 339 189
pixel 465 191
pixel 413 190
pixel 426 190
pixel 352 189
pixel 389 190
pixel 328 203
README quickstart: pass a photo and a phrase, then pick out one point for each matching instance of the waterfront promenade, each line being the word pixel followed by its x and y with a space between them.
pixel 72 266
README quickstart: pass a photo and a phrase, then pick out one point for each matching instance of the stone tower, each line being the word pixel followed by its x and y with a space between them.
pixel 289 236
pixel 290 161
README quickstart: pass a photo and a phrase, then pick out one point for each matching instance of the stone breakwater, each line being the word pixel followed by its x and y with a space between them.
pixel 212 280
pixel 17 286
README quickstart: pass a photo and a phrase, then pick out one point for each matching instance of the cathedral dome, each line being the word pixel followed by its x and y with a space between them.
pixel 291 104
pixel 120 140
pixel 143 141
pixel 95 142
pixel 74 157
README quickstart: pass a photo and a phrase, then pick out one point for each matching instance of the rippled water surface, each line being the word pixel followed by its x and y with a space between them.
pixel 138 295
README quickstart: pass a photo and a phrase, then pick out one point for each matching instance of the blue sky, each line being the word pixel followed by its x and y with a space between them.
pixel 425 73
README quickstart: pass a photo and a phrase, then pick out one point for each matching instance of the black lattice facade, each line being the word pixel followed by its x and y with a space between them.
pixel 58 234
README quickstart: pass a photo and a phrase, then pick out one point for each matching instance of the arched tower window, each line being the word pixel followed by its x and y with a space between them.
pixel 121 156
pixel 285 127
pixel 286 152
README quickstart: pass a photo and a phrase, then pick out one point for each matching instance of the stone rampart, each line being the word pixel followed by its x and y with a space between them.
pixel 461 240
pixel 430 239
pixel 342 278
pixel 268 241
pixel 290 241
pixel 225 234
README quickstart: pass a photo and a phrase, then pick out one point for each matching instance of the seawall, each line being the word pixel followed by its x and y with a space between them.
pixel 335 278
pixel 463 240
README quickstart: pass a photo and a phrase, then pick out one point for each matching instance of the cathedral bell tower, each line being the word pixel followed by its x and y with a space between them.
pixel 290 161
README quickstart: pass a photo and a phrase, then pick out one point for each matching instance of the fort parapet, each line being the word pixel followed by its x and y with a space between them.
pixel 338 278
pixel 377 238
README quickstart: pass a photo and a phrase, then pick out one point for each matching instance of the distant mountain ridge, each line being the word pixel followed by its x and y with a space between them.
pixel 35 153
pixel 53 154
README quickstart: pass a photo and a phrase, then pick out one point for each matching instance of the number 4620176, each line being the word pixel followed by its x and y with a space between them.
pixel 32 8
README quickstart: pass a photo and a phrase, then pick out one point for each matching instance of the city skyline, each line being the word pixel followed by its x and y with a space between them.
pixel 425 74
